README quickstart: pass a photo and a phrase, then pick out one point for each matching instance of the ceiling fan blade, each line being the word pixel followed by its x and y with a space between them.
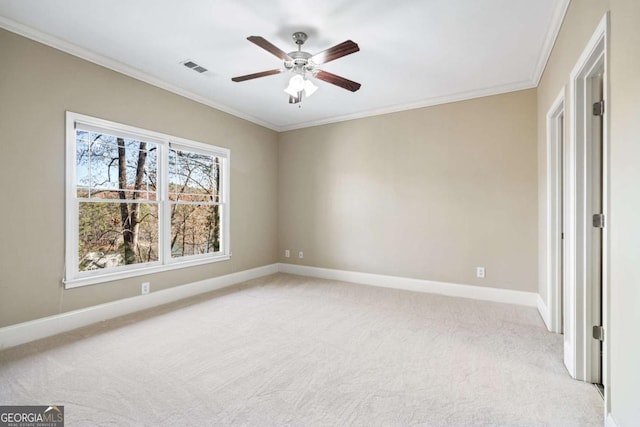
pixel 256 75
pixel 269 47
pixel 338 81
pixel 338 51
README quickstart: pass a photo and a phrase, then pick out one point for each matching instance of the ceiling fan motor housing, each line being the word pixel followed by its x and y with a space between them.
pixel 299 37
pixel 300 58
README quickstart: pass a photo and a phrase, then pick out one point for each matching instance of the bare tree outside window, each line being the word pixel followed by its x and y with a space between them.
pixel 118 211
pixel 140 202
pixel 194 193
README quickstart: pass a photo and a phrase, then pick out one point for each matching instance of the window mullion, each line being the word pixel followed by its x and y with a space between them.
pixel 92 220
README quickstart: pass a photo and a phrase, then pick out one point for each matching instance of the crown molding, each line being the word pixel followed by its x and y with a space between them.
pixel 552 34
pixel 461 96
pixel 72 49
pixel 103 61
pixel 543 57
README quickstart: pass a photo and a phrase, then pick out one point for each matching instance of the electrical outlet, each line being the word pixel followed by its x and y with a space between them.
pixel 300 255
pixel 287 253
pixel 145 288
pixel 480 272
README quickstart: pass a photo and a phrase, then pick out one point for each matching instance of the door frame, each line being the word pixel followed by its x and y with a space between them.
pixel 556 146
pixel 578 310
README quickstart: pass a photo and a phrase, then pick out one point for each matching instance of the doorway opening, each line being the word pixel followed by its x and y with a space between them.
pixel 585 214
pixel 555 202
pixel 594 209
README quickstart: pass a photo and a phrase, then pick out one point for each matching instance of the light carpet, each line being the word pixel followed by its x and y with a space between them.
pixel 291 350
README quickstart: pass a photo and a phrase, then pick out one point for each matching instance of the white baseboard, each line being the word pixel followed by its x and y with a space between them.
pixel 609 421
pixel 529 299
pixel 40 328
pixel 567 358
pixel 544 313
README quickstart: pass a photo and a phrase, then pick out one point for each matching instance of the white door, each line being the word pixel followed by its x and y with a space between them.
pixel 597 220
pixel 584 255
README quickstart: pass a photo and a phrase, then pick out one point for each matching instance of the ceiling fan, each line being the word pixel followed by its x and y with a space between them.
pixel 303 64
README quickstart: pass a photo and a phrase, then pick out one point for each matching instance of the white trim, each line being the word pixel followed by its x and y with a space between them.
pixel 429 102
pixel 47 326
pixel 552 34
pixel 121 68
pixel 41 328
pixel 606 233
pixel 609 421
pixel 417 285
pixel 553 270
pixel 74 278
pixel 141 271
pixel 543 57
pixel 544 313
pixel 577 284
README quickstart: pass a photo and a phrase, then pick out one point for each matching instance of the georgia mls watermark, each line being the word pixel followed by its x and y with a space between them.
pixel 32 416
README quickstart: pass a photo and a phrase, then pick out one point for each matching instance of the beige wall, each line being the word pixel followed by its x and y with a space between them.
pixel 579 23
pixel 428 193
pixel 37 85
pixel 624 180
pixel 624 276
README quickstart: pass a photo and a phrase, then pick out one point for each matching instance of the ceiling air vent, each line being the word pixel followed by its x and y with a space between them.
pixel 195 67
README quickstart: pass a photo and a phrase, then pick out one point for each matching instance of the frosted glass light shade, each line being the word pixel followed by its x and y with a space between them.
pixel 309 88
pixel 291 91
pixel 298 84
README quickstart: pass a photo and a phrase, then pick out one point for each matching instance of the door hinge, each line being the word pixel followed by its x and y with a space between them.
pixel 598 220
pixel 598 333
pixel 598 108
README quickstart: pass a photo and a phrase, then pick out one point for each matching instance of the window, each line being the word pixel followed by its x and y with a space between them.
pixel 140 202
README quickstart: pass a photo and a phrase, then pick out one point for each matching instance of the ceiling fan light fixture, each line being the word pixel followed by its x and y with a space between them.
pixel 291 91
pixel 297 82
pixel 296 85
pixel 309 88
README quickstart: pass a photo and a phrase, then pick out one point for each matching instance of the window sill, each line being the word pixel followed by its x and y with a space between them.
pixel 94 279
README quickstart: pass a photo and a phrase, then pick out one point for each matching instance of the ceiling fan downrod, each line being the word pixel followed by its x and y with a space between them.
pixel 299 38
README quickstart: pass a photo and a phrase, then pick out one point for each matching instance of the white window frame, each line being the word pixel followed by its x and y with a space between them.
pixel 73 277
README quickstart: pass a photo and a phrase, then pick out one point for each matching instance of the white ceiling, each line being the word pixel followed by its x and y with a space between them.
pixel 413 53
